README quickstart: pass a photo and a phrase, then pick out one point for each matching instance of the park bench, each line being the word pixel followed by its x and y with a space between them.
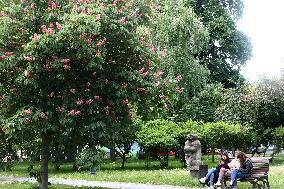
pixel 259 177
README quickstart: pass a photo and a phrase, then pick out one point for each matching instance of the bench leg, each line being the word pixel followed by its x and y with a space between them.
pixel 266 184
pixel 255 184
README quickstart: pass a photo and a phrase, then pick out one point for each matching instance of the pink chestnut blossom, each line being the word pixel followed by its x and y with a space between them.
pixel 53 5
pixel 166 81
pixel 66 60
pixel 141 71
pixel 106 109
pixel 148 62
pixel 98 17
pixel 179 78
pixel 22 1
pixel 3 57
pixel 97 98
pixel 9 53
pixel 163 97
pixel 51 25
pixel 165 106
pixel 158 74
pixel 83 11
pixel 89 11
pixel 42 115
pixel 66 67
pixel 124 85
pixel 12 4
pixel 36 37
pixel 164 53
pixel 123 20
pixel 26 10
pixel 114 3
pixel 50 31
pixel 101 43
pixel 3 13
pixel 142 40
pixel 148 33
pixel 28 120
pixel 73 91
pixel 74 113
pixel 87 1
pixel 90 101
pixel 151 47
pixel 33 6
pixel 50 95
pixel 59 27
pixel 179 90
pixel 89 41
pixel 75 8
pixel 124 101
pixel 80 1
pixel 133 14
pixel 27 73
pixel 121 9
pixel 146 73
pixel 59 109
pixel 82 36
pixel 80 102
pixel 157 84
pixel 28 112
pixel 98 54
pixel 28 58
pixel 88 84
pixel 141 89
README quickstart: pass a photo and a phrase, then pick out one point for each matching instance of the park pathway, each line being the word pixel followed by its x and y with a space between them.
pixel 71 182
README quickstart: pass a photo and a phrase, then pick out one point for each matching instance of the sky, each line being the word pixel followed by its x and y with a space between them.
pixel 263 22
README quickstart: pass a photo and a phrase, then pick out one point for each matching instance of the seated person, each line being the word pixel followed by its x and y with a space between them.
pixel 212 175
pixel 226 171
pixel 244 171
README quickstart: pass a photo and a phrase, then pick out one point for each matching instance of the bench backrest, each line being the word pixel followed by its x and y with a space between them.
pixel 260 166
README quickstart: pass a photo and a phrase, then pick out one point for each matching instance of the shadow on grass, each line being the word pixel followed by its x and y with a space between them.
pixel 109 165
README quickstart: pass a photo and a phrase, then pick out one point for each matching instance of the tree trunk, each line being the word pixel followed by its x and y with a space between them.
pixel 70 152
pixel 44 162
pixel 213 154
pixel 123 160
pixel 112 155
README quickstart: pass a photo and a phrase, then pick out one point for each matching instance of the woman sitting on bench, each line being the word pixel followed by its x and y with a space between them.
pixel 212 175
pixel 243 172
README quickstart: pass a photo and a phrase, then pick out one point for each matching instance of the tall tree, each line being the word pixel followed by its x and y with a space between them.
pixel 66 65
pixel 180 41
pixel 229 48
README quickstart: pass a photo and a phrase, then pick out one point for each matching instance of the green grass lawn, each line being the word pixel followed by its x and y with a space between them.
pixel 136 172
pixel 26 185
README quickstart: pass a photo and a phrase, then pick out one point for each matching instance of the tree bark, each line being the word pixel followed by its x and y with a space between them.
pixel 123 160
pixel 44 162
pixel 112 154
pixel 213 155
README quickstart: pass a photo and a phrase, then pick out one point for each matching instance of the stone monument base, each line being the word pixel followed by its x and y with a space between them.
pixel 194 173
pixel 203 169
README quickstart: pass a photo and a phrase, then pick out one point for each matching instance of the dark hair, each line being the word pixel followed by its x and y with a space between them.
pixel 242 157
pixel 225 154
